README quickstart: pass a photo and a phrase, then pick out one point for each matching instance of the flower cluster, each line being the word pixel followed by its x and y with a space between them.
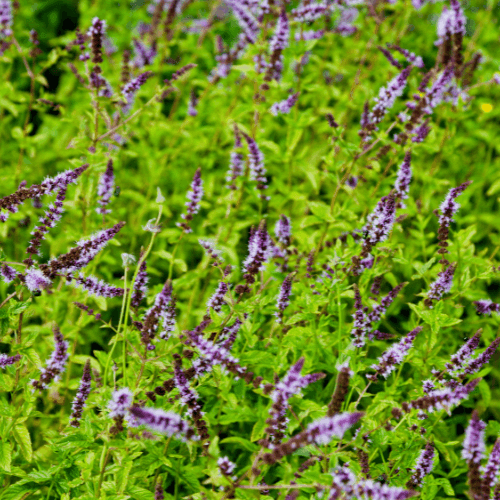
pixel 81 396
pixel 193 205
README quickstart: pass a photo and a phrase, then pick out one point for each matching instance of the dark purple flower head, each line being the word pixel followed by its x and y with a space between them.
pixel 159 493
pixel 8 360
pixel 194 197
pixel 464 354
pixel 284 297
pixel 491 469
pixel 309 12
pixel 226 466
pixel 259 250
pixel 131 88
pixel 56 364
pixel 96 287
pixel 105 188
pixel 158 312
pixel 193 102
pixel 81 396
pixel 450 207
pixel 96 33
pixel 140 286
pixel 410 56
pixel 121 401
pixel 423 467
pixel 144 55
pixel 279 42
pixel 246 20
pixel 486 307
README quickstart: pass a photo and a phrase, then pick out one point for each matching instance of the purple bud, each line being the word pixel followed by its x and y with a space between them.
pixel 8 273
pixel 486 307
pixel 8 360
pixel 193 205
pixel 105 188
pixel 284 297
pixel 120 402
pixel 81 396
pixel 284 107
pixel 216 301
pixel 226 466
pixel 132 87
pixel 441 285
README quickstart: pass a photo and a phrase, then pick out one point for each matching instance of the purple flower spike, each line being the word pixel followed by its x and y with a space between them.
pixel 458 360
pixel 236 164
pixel 289 386
pixel 402 185
pixel 309 35
pixel 144 56
pixel 450 207
pixel 346 485
pixel 284 297
pixel 193 205
pixel 105 188
pixel 96 33
pixel 424 466
pixel 473 445
pixel 81 396
pixel 211 251
pixel 131 88
pixel 259 250
pixel 159 493
pixel 216 301
pixel 394 355
pixel 140 286
pixel 309 12
pixel 8 360
pixel 379 223
pixel 441 285
pixel 121 401
pixel 155 313
pixel 283 230
pixel 410 56
pixel 8 273
pixel 256 165
pixel 279 42
pixel 491 469
pixel 164 422
pixel 6 18
pixel 193 102
pixel 284 107
pixel 96 287
pixel 320 432
pixel 188 395
pixel 486 307
pixel 476 364
pixel 246 20
pixel 35 280
pixel 226 466
pixel 56 364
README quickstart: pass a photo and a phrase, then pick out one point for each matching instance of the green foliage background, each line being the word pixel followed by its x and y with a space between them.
pixel 164 147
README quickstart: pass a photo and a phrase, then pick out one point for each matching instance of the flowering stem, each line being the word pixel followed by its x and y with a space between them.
pixel 124 333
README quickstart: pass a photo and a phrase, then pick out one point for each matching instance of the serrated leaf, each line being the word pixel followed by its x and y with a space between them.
pixel 5 455
pixel 23 438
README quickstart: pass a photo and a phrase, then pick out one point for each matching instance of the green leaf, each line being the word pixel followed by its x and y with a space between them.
pixel 22 436
pixel 5 455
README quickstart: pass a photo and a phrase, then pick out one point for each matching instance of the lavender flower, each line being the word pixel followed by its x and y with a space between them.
pixel 256 165
pixel 226 466
pixel 105 188
pixel 56 364
pixel 458 360
pixel 410 56
pixel 6 18
pixel 284 107
pixel 387 96
pixel 211 251
pixel 159 493
pixel 121 401
pixel 402 185
pixel 389 57
pixel 229 333
pixel 49 185
pixel 144 56
pixel 473 445
pixel 155 313
pixel 81 396
pixel 379 223
pixel 346 485
pixel 309 12
pixel 441 285
pixel 8 273
pixel 164 422
pixel 193 205
pixel 8 360
pixel 476 364
pixel 246 20
pixel 78 257
pixel 216 301
pixel 423 467
pixel 131 88
pixel 236 164
pixel 35 280
pixel 193 102
pixel 320 432
pixel 289 386
pixel 284 297
pixel 283 230
pixel 259 246
pixel 344 25
pixel 309 35
pixel 279 42
pixel 421 132
pixel 140 286
pixel 448 209
pixel 96 287
pixel 442 399
pixel 394 355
